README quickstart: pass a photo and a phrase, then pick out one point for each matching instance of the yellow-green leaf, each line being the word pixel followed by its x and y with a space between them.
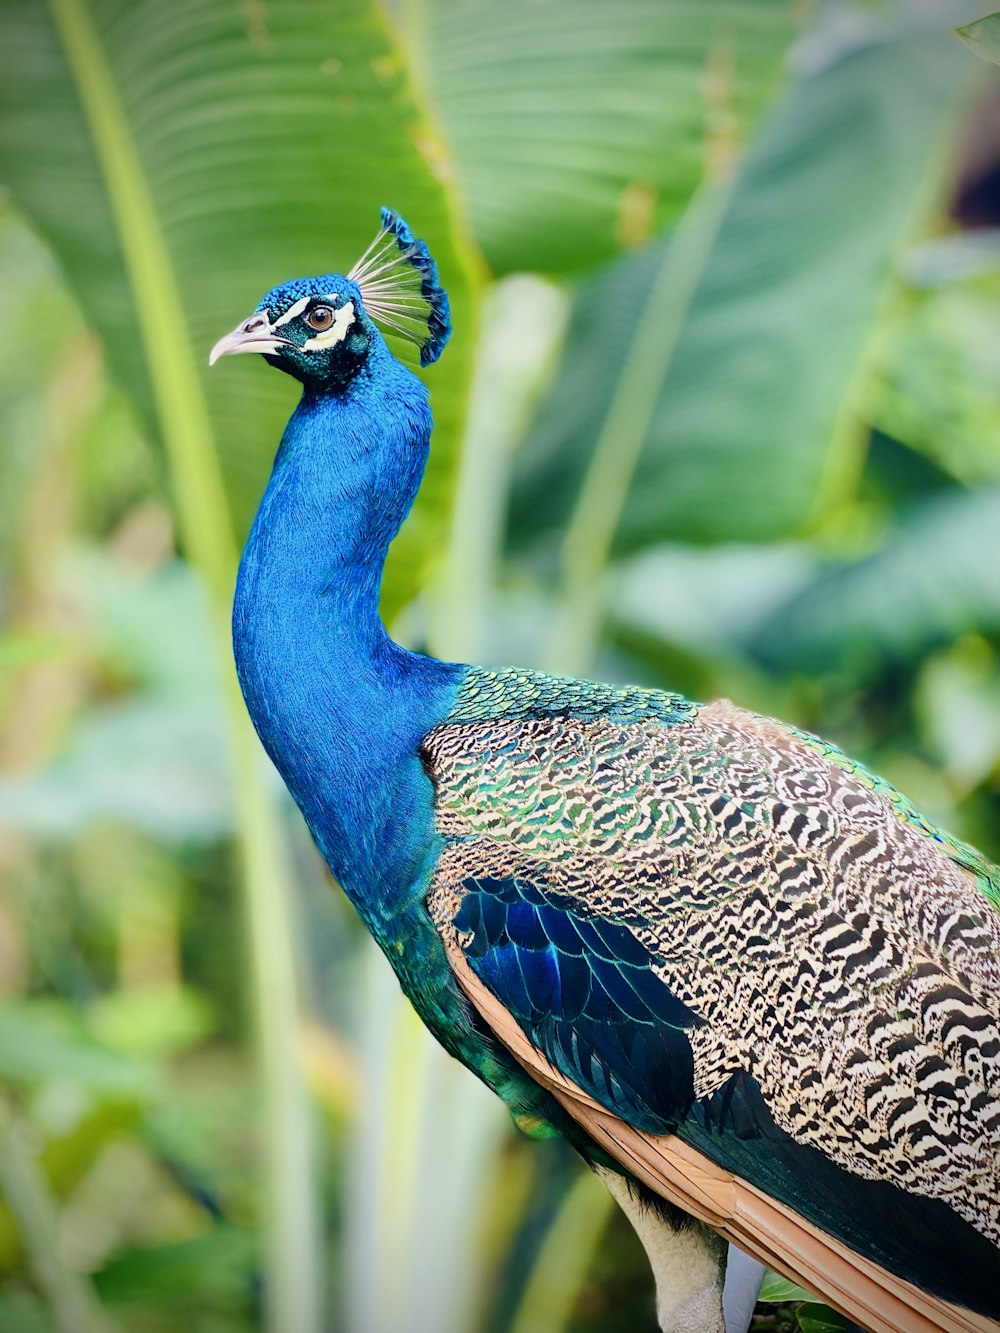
pixel 983 37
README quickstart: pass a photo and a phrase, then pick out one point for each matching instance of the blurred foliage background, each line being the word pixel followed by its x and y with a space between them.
pixel 720 414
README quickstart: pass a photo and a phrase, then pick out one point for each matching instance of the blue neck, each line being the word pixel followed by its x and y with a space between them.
pixel 340 708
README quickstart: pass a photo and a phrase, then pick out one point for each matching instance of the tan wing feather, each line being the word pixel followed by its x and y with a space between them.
pixel 770 1231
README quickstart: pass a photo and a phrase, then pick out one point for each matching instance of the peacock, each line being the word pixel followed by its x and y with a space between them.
pixel 743 976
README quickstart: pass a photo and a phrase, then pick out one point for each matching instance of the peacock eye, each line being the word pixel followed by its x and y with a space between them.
pixel 320 317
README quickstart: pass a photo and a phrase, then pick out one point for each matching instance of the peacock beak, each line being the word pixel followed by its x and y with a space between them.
pixel 253 335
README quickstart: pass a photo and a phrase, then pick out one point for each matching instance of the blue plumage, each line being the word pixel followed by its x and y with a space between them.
pixel 584 990
pixel 340 708
pixel 439 318
pixel 703 923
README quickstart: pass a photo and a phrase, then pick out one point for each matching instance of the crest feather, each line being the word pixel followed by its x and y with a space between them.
pixel 399 285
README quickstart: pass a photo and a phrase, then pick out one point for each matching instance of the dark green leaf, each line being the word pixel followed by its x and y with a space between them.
pixel 934 578
pixel 216 1269
pixel 269 138
pixel 756 387
pixel 580 125
pixel 816 1318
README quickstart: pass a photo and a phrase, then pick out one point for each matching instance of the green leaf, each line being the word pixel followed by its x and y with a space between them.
pixel 268 140
pixel 156 1021
pixel 28 1203
pixel 24 1314
pixel 983 37
pixel 210 149
pixel 39 1041
pixel 69 1152
pixel 580 126
pixel 776 1289
pixel 40 324
pixel 932 579
pixel 29 648
pixel 957 702
pixel 216 1271
pixel 157 765
pixel 817 1318
pixel 755 390
pixel 157 758
pixel 937 390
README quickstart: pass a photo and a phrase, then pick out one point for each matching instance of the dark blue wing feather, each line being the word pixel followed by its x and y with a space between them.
pixel 585 992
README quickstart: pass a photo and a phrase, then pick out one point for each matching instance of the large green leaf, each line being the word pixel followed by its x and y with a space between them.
pixel 180 159
pixel 934 578
pixel 214 1271
pixel 938 375
pixel 747 397
pixel 268 140
pixel 580 125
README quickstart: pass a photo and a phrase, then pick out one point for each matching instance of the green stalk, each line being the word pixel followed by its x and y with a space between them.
pixel 520 330
pixel 460 600
pixel 290 1225
pixel 570 1244
pixel 850 435
pixel 69 1295
pixel 589 537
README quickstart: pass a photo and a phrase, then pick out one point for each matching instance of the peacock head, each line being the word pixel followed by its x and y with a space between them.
pixel 313 328
pixel 321 330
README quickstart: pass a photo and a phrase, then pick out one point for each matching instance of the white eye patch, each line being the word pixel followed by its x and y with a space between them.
pixel 292 312
pixel 336 333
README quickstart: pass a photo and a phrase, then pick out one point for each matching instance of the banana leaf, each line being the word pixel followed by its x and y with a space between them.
pixel 932 579
pixel 580 126
pixel 259 145
pixel 756 388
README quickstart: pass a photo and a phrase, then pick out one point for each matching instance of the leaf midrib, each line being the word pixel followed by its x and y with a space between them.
pixel 205 519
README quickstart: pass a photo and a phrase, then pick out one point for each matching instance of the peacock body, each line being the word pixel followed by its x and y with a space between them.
pixel 731 966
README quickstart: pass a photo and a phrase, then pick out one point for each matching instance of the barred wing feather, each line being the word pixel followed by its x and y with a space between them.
pixel 730 952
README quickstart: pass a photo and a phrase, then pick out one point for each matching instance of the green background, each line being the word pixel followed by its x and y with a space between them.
pixel 720 413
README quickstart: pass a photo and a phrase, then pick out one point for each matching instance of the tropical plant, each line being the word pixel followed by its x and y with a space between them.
pixel 681 245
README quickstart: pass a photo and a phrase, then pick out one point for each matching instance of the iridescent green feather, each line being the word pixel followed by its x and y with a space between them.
pixel 487 696
pixel 493 695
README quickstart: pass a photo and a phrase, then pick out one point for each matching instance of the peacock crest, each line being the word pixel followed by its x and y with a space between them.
pixel 398 281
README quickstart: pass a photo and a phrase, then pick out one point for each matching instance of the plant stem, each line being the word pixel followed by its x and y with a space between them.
pixel 291 1232
pixel 559 1272
pixel 521 327
pixel 591 531
pixel 69 1295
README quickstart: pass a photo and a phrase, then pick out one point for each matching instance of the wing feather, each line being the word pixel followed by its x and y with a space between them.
pixel 748 1218
pixel 833 947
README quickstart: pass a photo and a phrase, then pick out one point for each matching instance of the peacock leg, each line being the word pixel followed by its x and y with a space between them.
pixel 689 1263
pixel 739 1297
